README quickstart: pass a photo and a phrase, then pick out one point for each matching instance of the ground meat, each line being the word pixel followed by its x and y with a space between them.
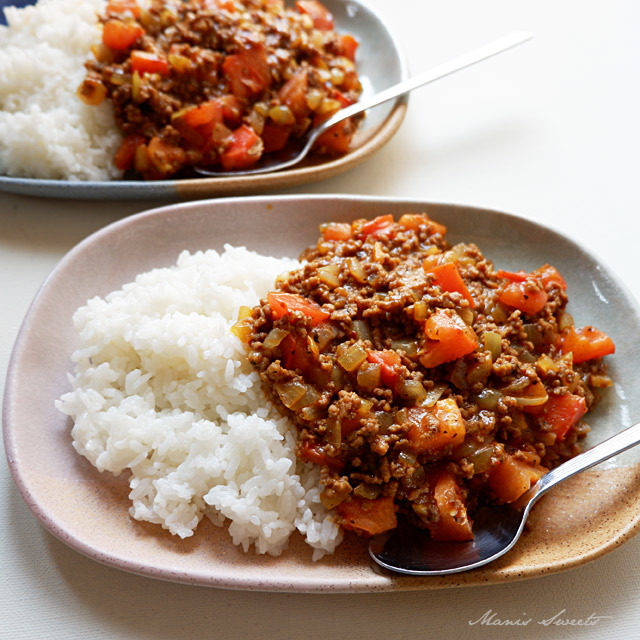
pixel 420 378
pixel 215 83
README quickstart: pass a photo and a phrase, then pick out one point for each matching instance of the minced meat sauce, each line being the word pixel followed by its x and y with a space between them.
pixel 219 83
pixel 421 379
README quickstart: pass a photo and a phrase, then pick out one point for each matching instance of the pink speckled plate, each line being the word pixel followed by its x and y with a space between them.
pixel 580 521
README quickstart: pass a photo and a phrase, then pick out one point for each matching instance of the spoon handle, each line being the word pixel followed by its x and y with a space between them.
pixel 617 444
pixel 397 90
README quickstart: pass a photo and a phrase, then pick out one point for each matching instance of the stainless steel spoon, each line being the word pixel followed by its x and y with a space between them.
pixel 268 165
pixel 410 550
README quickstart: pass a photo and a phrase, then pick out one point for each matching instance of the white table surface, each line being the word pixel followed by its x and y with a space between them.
pixel 550 131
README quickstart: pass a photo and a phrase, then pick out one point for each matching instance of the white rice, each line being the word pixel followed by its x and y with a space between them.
pixel 46 131
pixel 163 389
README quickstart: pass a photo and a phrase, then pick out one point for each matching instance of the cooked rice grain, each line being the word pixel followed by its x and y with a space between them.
pixel 46 131
pixel 163 388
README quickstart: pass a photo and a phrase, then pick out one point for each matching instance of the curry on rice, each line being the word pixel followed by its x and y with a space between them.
pixel 421 379
pixel 219 83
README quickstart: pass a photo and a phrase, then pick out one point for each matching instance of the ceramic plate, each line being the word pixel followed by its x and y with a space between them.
pixel 578 522
pixel 380 65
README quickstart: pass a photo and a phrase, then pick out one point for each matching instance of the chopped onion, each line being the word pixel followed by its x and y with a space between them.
pixel 408 457
pixel 314 99
pixel 356 270
pixel 330 275
pixel 488 398
pixel 492 343
pixel 333 431
pixel 565 321
pixel 365 408
pixel 282 115
pixel 412 390
pixel 385 420
pixel 325 333
pixel 368 491
pixel 533 396
pixel 499 312
pixel 410 347
pixel 369 375
pixel 479 371
pixel 312 412
pixel 353 357
pixel 433 395
pixel 534 335
pixel 517 385
pixel 362 330
pixel 481 459
pixel 290 392
pixel 274 338
pixel 600 381
pixel 310 397
pixel 466 314
pixel 420 310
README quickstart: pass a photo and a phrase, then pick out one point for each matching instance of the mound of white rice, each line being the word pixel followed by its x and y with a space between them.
pixel 46 131
pixel 164 389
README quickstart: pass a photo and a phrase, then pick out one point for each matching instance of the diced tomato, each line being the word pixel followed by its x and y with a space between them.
pixel 561 412
pixel 313 453
pixel 433 429
pixel 549 275
pixel 294 93
pixel 586 343
pixel 336 232
pixel 348 46
pixel 204 113
pixel 349 425
pixel 126 152
pixel 244 151
pixel 144 62
pixel 166 158
pixel 283 304
pixel 321 16
pixel 336 94
pixel 369 517
pixel 231 109
pixel 414 221
pixel 295 355
pixel 248 71
pixel 378 227
pixel 118 35
pixel 526 295
pixel 448 338
pixel 514 276
pixel 388 361
pixel 447 277
pixel 274 138
pixel 512 477
pixel 453 525
pixel 337 139
pixel 120 6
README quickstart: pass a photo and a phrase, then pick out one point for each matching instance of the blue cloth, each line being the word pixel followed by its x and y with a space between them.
pixel 12 3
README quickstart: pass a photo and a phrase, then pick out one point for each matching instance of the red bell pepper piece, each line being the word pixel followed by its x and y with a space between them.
pixel 369 517
pixel 118 35
pixel 586 343
pixel 447 277
pixel 283 304
pixel 448 338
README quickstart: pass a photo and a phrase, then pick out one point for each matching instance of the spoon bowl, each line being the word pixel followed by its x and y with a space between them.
pixel 410 550
pixel 277 163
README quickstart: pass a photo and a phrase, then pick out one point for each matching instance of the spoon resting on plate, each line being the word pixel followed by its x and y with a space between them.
pixel 410 550
pixel 395 91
